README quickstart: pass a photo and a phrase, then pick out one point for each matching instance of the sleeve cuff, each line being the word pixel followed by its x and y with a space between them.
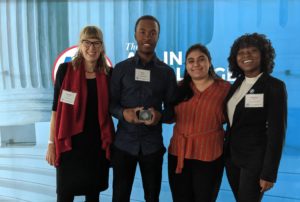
pixel 120 114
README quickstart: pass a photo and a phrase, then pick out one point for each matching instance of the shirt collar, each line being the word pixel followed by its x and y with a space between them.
pixel 252 80
pixel 138 60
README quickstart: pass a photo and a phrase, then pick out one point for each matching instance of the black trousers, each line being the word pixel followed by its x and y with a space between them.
pixel 243 182
pixel 199 181
pixel 124 167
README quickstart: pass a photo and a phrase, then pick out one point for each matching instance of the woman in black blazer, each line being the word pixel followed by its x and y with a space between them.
pixel 257 114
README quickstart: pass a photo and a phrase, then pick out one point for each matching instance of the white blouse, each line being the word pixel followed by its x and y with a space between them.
pixel 239 94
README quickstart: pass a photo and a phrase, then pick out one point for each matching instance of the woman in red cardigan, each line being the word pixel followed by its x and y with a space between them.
pixel 195 153
pixel 81 127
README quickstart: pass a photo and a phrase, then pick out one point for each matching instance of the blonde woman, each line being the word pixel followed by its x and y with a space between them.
pixel 81 128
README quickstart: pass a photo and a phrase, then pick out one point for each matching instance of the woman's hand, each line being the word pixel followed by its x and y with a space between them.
pixel 265 185
pixel 51 155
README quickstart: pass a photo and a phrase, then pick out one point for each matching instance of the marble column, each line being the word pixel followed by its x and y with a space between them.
pixel 32 35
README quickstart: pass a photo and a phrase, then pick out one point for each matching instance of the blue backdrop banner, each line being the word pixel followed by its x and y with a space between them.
pixel 34 34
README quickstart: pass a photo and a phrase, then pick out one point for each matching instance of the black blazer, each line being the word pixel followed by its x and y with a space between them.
pixel 255 139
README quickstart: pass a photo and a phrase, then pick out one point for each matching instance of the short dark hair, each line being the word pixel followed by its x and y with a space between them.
pixel 147 17
pixel 260 41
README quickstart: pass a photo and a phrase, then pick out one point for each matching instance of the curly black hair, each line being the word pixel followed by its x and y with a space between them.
pixel 259 41
pixel 185 92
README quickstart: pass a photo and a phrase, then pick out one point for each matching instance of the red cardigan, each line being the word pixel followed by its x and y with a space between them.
pixel 70 118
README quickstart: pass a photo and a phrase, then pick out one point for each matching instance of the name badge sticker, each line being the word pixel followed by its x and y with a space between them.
pixel 142 75
pixel 68 97
pixel 254 100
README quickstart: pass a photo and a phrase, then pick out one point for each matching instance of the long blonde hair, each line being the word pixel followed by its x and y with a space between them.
pixel 95 33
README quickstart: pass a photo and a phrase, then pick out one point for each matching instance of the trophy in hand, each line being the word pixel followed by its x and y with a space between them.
pixel 144 115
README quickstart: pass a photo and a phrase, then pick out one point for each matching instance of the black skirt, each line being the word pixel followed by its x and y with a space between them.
pixel 84 169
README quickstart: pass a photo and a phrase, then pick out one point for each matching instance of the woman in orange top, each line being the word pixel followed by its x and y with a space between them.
pixel 195 162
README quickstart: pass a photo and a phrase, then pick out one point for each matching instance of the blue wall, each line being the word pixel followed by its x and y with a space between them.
pixel 34 33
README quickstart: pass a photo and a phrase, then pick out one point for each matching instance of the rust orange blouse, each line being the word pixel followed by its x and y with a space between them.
pixel 198 132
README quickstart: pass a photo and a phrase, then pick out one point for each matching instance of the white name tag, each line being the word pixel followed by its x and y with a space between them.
pixel 142 75
pixel 254 100
pixel 68 97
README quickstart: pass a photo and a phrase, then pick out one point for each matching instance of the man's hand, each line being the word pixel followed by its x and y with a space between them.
pixel 130 115
pixel 156 116
pixel 265 185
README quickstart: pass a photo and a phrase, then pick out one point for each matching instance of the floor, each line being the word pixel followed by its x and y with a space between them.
pixel 25 176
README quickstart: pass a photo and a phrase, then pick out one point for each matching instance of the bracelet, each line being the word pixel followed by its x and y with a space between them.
pixel 50 142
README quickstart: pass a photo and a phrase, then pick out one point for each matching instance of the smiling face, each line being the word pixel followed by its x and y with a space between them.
pixel 146 36
pixel 91 45
pixel 91 49
pixel 248 59
pixel 197 65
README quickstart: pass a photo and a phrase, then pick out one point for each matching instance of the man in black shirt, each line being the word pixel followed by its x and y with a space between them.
pixel 142 92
